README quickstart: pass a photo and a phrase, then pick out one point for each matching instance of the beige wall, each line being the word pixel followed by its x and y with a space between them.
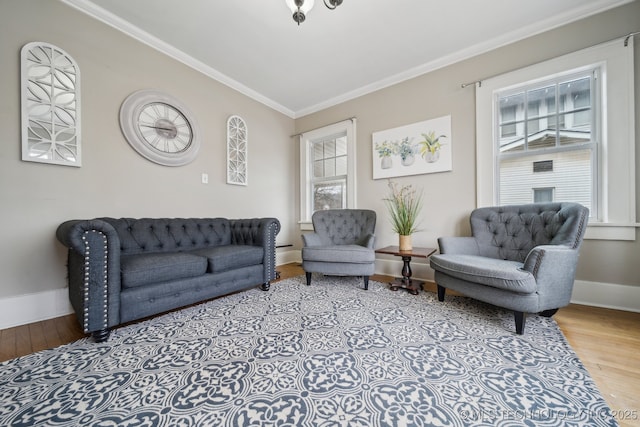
pixel 450 196
pixel 114 180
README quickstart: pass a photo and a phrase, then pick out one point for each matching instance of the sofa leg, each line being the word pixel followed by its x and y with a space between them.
pixel 101 335
pixel 441 292
pixel 521 319
pixel 265 286
pixel 548 313
pixel 308 275
pixel 366 283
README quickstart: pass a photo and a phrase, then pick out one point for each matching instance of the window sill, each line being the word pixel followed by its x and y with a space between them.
pixel 611 231
pixel 306 226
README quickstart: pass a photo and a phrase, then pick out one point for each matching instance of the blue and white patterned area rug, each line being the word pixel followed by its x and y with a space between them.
pixel 331 354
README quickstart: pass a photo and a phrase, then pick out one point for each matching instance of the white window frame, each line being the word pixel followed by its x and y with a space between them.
pixel 344 128
pixel 616 186
pixel 595 131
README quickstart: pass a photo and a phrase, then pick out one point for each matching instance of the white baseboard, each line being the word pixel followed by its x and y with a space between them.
pixel 595 294
pixel 288 257
pixel 24 309
pixel 30 308
pixel 606 295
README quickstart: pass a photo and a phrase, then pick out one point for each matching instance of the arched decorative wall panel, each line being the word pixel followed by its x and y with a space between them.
pixel 50 89
pixel 237 150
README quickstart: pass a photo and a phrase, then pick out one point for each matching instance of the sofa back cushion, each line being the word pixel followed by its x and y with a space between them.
pixel 510 232
pixel 152 235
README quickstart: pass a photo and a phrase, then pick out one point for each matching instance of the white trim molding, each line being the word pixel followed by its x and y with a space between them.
pixel 30 308
pixel 596 294
pixel 606 295
pixel 142 36
pixel 288 257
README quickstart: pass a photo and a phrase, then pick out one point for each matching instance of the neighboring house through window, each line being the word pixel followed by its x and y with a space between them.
pixel 327 169
pixel 552 119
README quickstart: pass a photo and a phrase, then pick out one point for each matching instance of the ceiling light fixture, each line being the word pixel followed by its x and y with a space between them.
pixel 300 8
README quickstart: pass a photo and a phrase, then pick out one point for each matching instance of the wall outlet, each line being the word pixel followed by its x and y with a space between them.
pixel 205 178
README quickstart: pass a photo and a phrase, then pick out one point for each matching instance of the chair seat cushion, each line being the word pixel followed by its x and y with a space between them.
pixel 142 269
pixel 230 257
pixel 339 253
pixel 497 273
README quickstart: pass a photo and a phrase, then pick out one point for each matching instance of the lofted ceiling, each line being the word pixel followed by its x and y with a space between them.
pixel 255 47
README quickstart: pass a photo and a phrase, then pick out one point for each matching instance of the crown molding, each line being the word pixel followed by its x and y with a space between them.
pixel 470 52
pixel 102 15
pixel 91 9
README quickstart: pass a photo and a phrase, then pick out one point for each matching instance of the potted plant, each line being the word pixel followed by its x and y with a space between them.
pixel 406 151
pixel 385 149
pixel 404 204
pixel 430 147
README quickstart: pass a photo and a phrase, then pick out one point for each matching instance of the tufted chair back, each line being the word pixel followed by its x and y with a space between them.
pixel 344 226
pixel 510 232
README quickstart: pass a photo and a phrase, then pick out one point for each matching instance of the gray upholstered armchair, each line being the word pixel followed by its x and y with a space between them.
pixel 522 258
pixel 341 244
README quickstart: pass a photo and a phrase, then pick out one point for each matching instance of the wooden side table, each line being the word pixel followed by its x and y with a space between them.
pixel 406 282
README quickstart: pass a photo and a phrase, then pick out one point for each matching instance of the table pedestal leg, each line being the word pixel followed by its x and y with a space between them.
pixel 406 282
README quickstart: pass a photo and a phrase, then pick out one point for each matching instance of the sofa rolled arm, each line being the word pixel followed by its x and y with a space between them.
pixel 258 232
pixel 458 245
pixel 70 233
pixel 94 272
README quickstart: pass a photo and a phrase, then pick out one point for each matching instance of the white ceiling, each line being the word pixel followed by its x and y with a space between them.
pixel 255 47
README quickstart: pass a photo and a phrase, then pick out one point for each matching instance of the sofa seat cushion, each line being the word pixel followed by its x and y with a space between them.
pixel 497 273
pixel 230 257
pixel 143 269
pixel 339 253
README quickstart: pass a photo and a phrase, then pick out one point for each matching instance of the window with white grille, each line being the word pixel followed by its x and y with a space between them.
pixel 327 169
pixel 578 112
pixel 550 119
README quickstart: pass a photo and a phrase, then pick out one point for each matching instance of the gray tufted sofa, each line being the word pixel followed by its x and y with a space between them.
pixel 126 269
pixel 522 257
pixel 342 244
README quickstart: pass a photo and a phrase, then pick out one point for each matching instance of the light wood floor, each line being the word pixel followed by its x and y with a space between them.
pixel 607 342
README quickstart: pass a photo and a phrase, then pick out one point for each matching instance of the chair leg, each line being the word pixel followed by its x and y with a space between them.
pixel 366 283
pixel 548 313
pixel 102 335
pixel 521 319
pixel 308 278
pixel 441 292
pixel 265 286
